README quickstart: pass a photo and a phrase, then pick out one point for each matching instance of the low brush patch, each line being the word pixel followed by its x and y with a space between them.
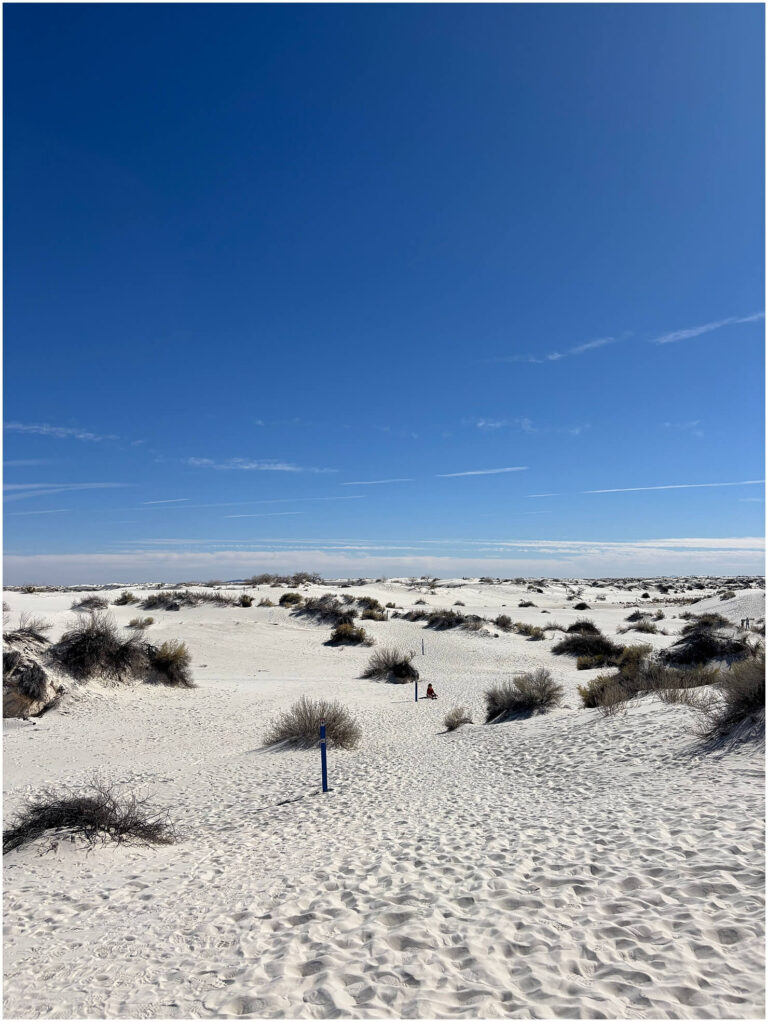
pixel 300 725
pixel 527 694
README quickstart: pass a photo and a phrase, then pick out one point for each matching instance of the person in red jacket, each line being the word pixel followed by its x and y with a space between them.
pixel 431 694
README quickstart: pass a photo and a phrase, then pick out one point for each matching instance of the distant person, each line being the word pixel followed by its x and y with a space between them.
pixel 431 694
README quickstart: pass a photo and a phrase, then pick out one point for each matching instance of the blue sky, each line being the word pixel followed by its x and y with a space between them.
pixel 383 289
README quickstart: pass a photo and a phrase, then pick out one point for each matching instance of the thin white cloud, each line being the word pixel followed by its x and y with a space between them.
pixel 52 511
pixel 247 465
pixel 481 472
pixel 266 514
pixel 377 482
pixel 525 425
pixel 25 462
pixel 171 500
pixel 23 491
pixel 676 486
pixel 556 356
pixel 706 328
pixel 59 432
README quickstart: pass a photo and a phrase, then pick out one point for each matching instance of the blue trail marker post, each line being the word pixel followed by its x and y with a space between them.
pixel 416 689
pixel 422 647
pixel 323 760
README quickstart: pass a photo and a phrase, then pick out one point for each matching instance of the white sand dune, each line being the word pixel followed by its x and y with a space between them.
pixel 562 866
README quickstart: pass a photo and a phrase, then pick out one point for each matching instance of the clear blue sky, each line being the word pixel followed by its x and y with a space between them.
pixel 259 256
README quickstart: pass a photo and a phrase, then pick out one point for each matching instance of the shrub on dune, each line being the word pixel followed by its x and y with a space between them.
pixel 327 610
pixel 455 717
pixel 504 622
pixel 30 627
pixel 300 726
pixel 140 623
pixel 291 599
pixel 97 812
pixel 526 603
pixel 125 598
pixel 244 600
pixel 349 635
pixel 88 603
pixel 701 645
pixel 532 632
pixel 581 606
pixel 94 647
pixel 587 644
pixel 171 663
pixel 392 664
pixel 527 694
pixel 266 602
pixel 742 704
pixel 373 615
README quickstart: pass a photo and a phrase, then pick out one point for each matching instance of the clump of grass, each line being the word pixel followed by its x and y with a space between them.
pixel 265 602
pixel 581 606
pixel 30 627
pixel 459 603
pixel 419 602
pixel 504 622
pixel 291 599
pixel 244 600
pixel 700 643
pixel 369 603
pixel 527 694
pixel 637 615
pixel 742 704
pixel 125 598
pixel 392 664
pixel 526 603
pixel 533 632
pixel 98 812
pixel 171 662
pixel 89 603
pixel 166 599
pixel 643 625
pixel 300 726
pixel 391 606
pixel 94 647
pixel 583 625
pixel 704 621
pixel 327 610
pixel 455 717
pixel 141 623
pixel 587 644
pixel 349 635
pixel 373 615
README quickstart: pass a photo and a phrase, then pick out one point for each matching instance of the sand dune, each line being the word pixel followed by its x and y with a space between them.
pixel 565 866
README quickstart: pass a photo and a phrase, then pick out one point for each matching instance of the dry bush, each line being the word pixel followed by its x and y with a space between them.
pixel 349 635
pixel 140 623
pixel 300 726
pixel 291 599
pixel 88 603
pixel 327 610
pixel 526 694
pixel 369 603
pixel 30 627
pixel 504 622
pixel 266 602
pixel 459 603
pixel 391 606
pixel 587 644
pixel 393 664
pixel 533 632
pixel 637 615
pixel 125 598
pixel 553 626
pixel 98 812
pixel 373 615
pixel 644 625
pixel 176 599
pixel 583 624
pixel 171 662
pixel 701 645
pixel 244 600
pixel 741 707
pixel 94 647
pixel 455 717
pixel 701 622
pixel 581 606
pixel 526 603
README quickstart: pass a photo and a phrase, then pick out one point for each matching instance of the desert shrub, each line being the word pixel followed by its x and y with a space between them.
pixel 636 615
pixel 27 589
pixel 581 606
pixel 125 598
pixel 587 643
pixel 327 610
pixel 455 717
pixel 701 622
pixel 94 647
pixel 526 694
pixel 291 599
pixel 728 595
pixel 659 615
pixel 553 626
pixel 583 625
pixel 702 645
pixel 459 603
pixel 369 603
pixel 349 635
pixel 413 615
pixel 645 596
pixel 88 603
pixel 166 599
pixel 391 663
pixel 526 603
pixel 23 672
pixel 595 692
pixel 266 602
pixel 446 618
pixel 300 578
pixel 98 812
pixel 391 606
pixel 30 627
pixel 171 662
pixel 643 625
pixel 244 600
pixel 504 622
pixel 140 623
pixel 742 703
pixel 532 632
pixel 373 615
pixel 418 602
pixel 758 627
pixel 300 726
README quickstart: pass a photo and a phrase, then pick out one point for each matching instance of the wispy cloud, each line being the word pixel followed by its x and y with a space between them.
pixel 691 427
pixel 172 500
pixel 481 472
pixel 557 356
pixel 59 432
pixel 706 328
pixel 266 514
pixel 22 491
pixel 53 511
pixel 676 486
pixel 25 462
pixel 247 465
pixel 376 482
pixel 525 425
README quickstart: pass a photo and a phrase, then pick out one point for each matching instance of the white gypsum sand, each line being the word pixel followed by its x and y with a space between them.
pixel 566 865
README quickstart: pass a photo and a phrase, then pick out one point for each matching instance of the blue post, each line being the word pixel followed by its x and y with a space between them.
pixel 422 647
pixel 323 762
pixel 416 690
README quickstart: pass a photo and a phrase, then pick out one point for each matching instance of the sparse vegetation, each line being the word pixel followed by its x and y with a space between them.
pixel 581 606
pixel 30 627
pixel 265 602
pixel 89 603
pixel 588 644
pixel 327 609
pixel 291 599
pixel 700 643
pixel 742 703
pixel 526 694
pixel 125 598
pixel 300 578
pixel 175 599
pixel 171 662
pixel 455 717
pixel 504 622
pixel 526 603
pixel 300 726
pixel 244 600
pixel 141 623
pixel 349 635
pixel 532 632
pixel 98 812
pixel 94 647
pixel 392 664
